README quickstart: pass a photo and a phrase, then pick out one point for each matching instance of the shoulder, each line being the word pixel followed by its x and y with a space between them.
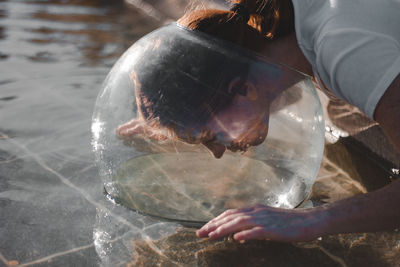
pixel 316 18
pixel 357 65
pixel 310 15
pixel 353 45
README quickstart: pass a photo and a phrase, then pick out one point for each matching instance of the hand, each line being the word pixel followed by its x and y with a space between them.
pixel 262 222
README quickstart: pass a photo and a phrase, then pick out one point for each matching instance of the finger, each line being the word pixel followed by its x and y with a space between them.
pixel 214 224
pixel 235 225
pixel 224 218
pixel 232 212
pixel 257 232
pixel 218 221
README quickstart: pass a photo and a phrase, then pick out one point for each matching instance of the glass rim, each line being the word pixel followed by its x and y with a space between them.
pixel 233 47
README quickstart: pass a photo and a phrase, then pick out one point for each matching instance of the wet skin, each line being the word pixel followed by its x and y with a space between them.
pixel 262 222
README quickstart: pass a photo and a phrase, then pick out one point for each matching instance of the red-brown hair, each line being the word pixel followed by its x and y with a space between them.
pixel 269 19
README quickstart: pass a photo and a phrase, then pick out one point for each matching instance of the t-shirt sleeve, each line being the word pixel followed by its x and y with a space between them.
pixel 357 65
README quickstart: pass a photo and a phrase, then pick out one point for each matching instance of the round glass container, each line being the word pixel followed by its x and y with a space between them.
pixel 180 128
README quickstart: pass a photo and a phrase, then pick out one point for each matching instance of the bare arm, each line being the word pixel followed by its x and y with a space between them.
pixel 387 113
pixel 375 211
pixel 378 210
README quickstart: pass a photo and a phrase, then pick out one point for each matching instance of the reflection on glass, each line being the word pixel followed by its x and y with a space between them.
pixel 187 135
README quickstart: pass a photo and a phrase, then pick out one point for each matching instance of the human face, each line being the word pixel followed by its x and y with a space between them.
pixel 244 123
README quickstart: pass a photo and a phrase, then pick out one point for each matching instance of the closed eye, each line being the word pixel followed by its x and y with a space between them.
pixel 237 86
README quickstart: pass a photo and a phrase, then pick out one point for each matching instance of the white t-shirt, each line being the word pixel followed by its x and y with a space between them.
pixel 354 46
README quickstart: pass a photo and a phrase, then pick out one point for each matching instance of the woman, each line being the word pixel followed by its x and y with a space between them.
pixel 353 47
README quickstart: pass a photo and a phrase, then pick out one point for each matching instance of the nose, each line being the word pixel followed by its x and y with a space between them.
pixel 215 148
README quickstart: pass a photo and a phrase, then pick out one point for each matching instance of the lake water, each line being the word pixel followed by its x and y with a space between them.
pixel 54 55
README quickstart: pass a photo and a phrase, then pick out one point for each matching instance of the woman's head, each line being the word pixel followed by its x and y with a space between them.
pixel 202 97
pixel 267 19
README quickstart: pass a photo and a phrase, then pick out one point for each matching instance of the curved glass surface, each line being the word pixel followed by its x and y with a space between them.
pixel 187 126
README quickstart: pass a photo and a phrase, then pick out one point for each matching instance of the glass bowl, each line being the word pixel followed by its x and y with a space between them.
pixel 188 125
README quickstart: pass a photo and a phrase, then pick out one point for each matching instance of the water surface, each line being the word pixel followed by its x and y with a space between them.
pixel 54 55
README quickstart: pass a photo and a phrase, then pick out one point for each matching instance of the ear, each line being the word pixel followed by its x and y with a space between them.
pixel 216 149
